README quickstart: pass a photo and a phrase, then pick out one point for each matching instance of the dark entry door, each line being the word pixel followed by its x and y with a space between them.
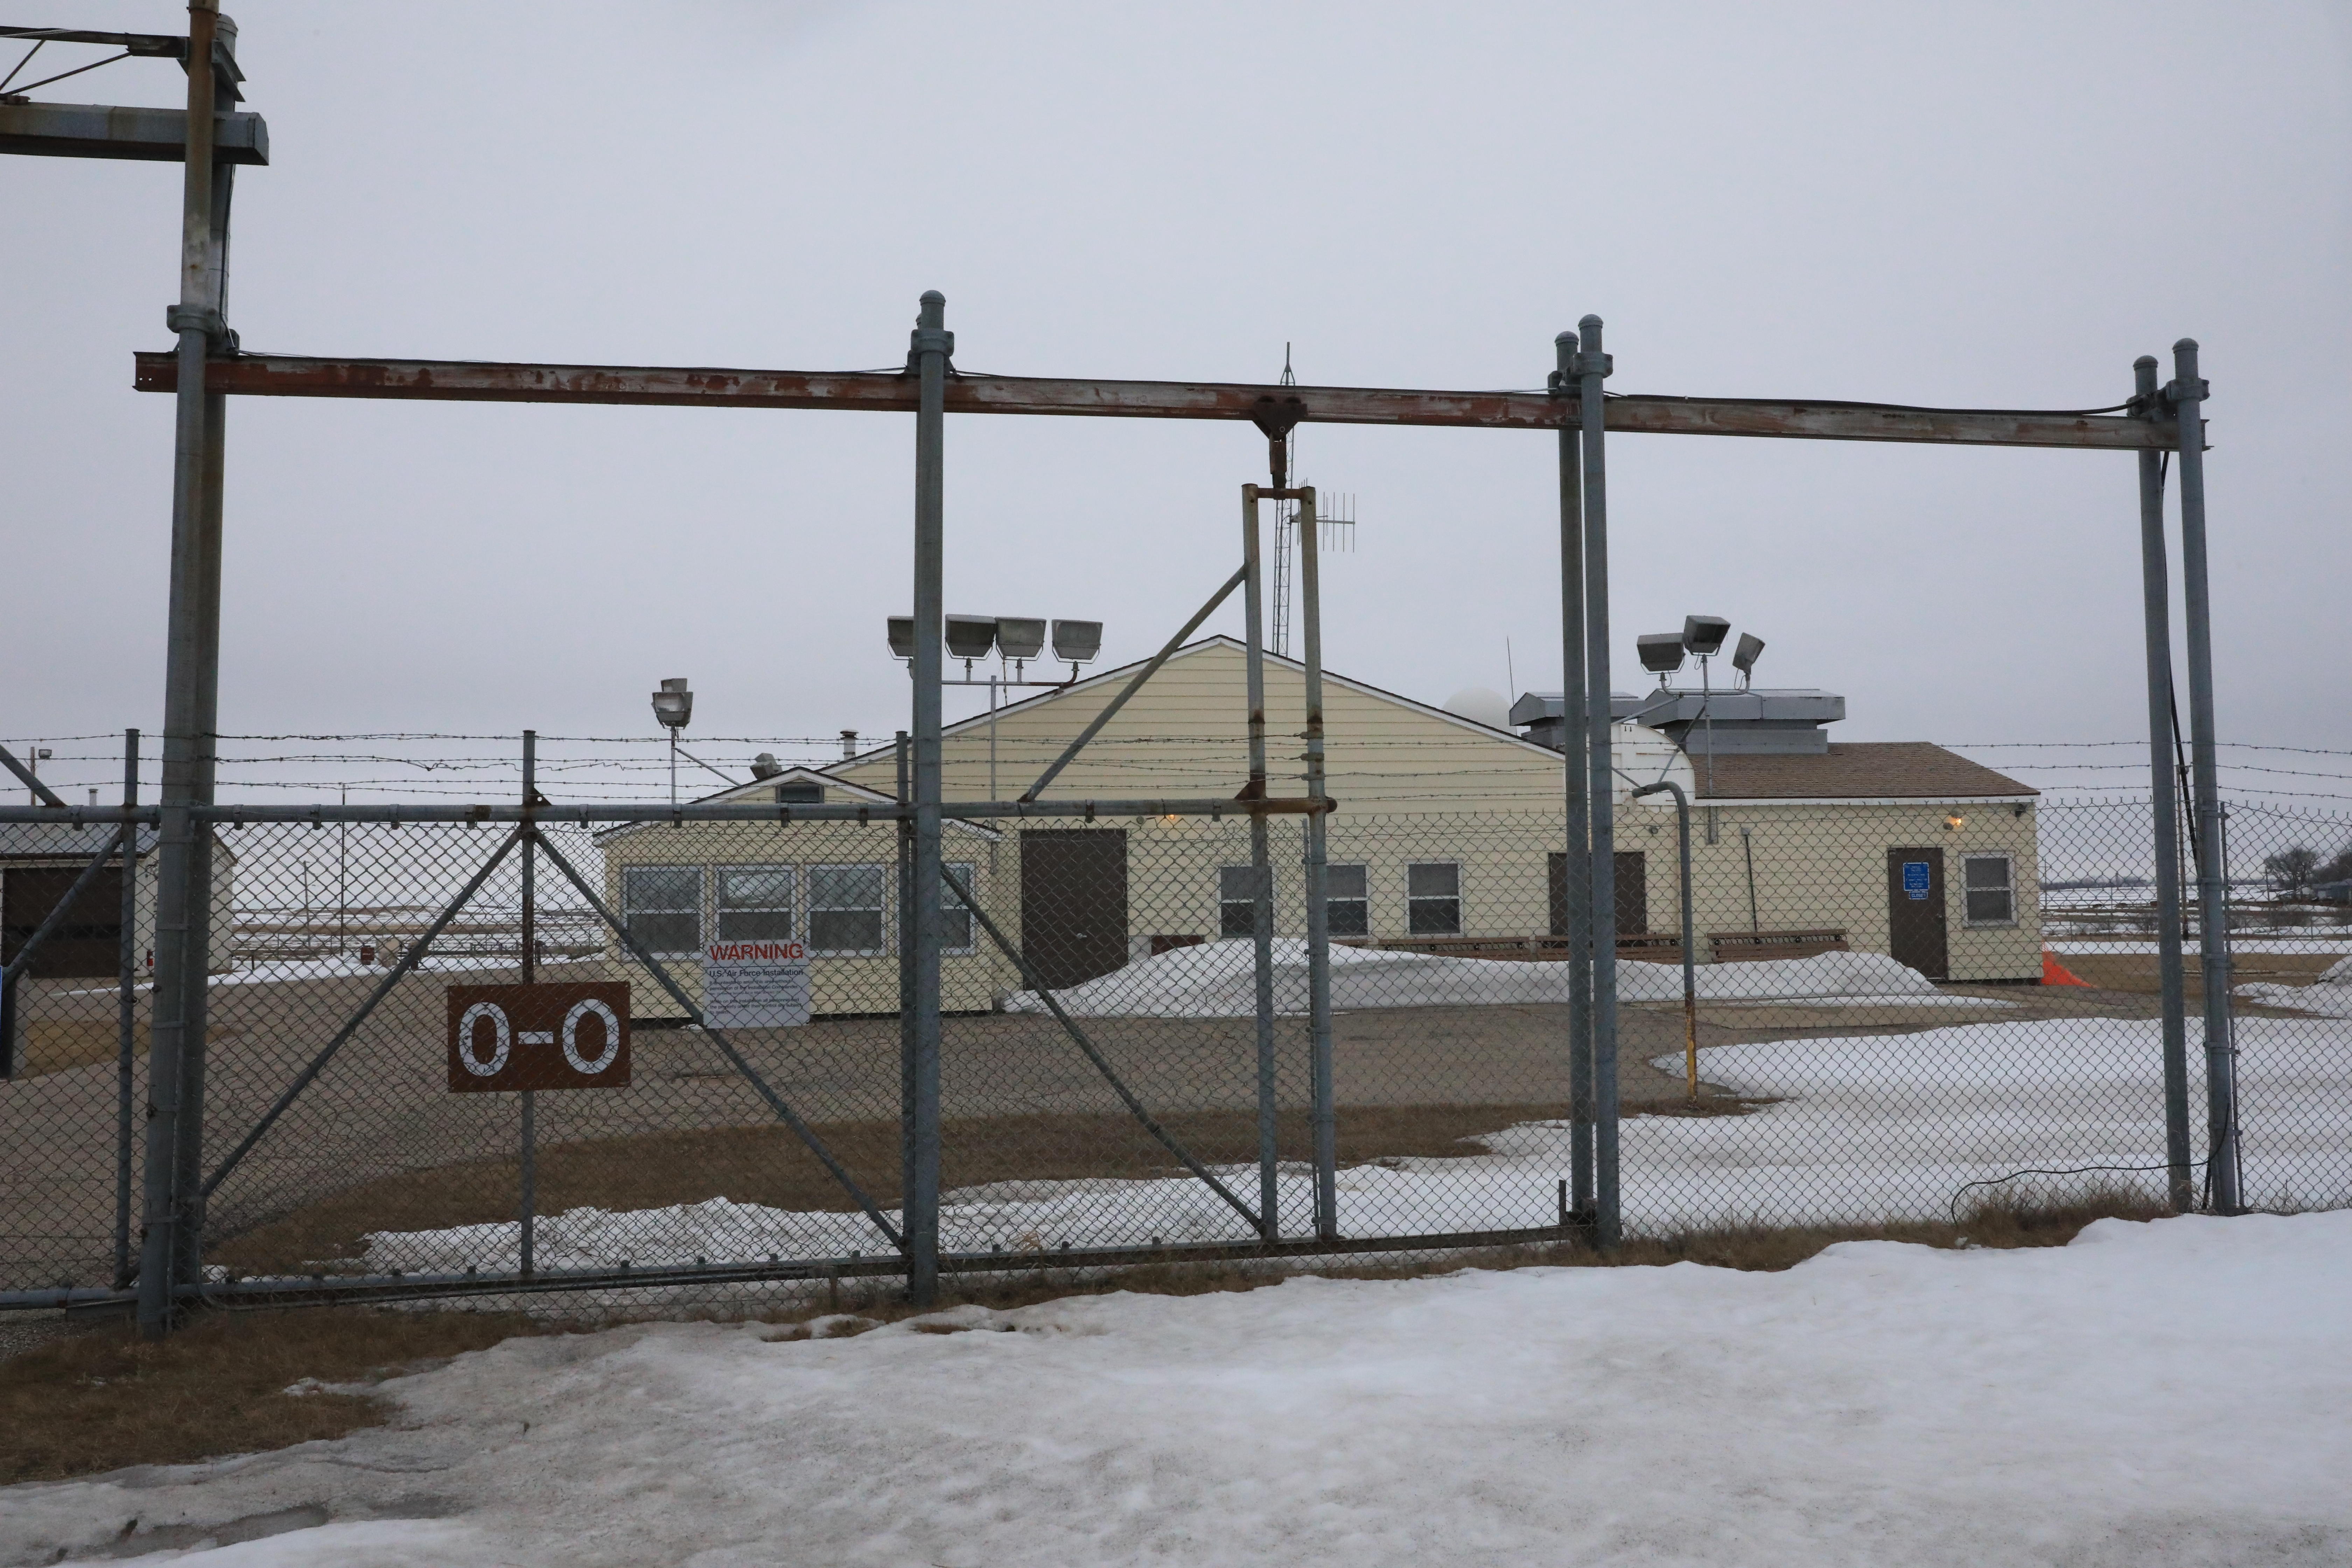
pixel 87 944
pixel 1073 904
pixel 1914 911
pixel 1632 893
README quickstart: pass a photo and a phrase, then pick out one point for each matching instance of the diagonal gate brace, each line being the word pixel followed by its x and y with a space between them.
pixel 784 1112
pixel 1151 1123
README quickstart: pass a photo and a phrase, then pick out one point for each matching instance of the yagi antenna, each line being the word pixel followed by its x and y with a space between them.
pixel 1335 512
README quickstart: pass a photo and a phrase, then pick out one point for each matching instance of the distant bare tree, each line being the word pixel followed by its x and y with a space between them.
pixel 2290 870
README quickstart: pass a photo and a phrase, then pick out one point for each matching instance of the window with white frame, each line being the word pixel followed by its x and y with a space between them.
pixel 662 907
pixel 1346 900
pixel 1237 899
pixel 755 903
pixel 1433 897
pixel 956 924
pixel 1988 885
pixel 845 906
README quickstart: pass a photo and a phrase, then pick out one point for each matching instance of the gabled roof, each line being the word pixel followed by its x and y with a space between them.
pixel 1120 675
pixel 1854 769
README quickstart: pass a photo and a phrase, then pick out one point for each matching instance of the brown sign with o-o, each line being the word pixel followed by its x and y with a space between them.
pixel 563 1036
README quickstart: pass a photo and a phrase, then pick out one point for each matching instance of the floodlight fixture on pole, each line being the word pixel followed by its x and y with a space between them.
pixel 1743 658
pixel 1662 654
pixel 674 705
pixel 971 637
pixel 1020 639
pixel 1704 635
pixel 1077 643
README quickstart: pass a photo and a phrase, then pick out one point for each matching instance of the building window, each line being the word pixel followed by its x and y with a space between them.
pixel 844 909
pixel 662 907
pixel 800 793
pixel 755 903
pixel 1346 900
pixel 1237 899
pixel 1433 897
pixel 956 924
pixel 1990 891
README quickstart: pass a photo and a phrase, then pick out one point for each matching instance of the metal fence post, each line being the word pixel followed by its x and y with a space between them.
pixel 2163 805
pixel 126 1059
pixel 176 1024
pixel 906 836
pixel 1269 1154
pixel 929 349
pixel 2187 394
pixel 1576 868
pixel 1593 366
pixel 1318 912
pixel 528 1231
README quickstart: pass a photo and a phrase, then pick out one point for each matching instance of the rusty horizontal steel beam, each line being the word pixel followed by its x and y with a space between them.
pixel 465 381
pixel 142 135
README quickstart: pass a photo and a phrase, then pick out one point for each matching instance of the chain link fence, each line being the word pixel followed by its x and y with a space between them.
pixel 1890 1005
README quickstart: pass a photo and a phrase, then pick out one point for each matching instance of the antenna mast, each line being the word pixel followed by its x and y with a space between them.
pixel 1285 514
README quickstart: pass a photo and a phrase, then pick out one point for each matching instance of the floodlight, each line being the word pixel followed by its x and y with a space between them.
pixel 1704 635
pixel 902 637
pixel 1077 642
pixel 765 766
pixel 674 704
pixel 1744 658
pixel 971 636
pixel 1662 652
pixel 1017 637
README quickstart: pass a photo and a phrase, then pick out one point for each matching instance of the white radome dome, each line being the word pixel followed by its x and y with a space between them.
pixel 1480 705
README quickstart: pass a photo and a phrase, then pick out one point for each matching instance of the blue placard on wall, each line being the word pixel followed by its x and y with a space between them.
pixel 1915 878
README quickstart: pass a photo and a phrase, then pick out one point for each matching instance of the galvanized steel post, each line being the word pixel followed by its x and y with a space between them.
pixel 1319 921
pixel 904 758
pixel 929 348
pixel 126 1023
pixel 2187 394
pixel 171 1240
pixel 1593 366
pixel 2164 804
pixel 526 1250
pixel 1576 868
pixel 1269 1154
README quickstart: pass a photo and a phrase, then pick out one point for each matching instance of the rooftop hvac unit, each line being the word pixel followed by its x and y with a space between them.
pixel 971 636
pixel 1017 637
pixel 1077 642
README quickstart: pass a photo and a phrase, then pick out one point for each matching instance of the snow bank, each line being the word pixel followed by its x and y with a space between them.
pixel 1218 980
pixel 2168 1394
pixel 2328 996
pixel 1862 1129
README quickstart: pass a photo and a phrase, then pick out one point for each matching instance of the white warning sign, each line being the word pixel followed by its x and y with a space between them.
pixel 755 984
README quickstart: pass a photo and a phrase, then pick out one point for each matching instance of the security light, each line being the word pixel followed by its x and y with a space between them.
pixel 1704 635
pixel 971 636
pixel 902 637
pixel 765 766
pixel 1662 653
pixel 1077 642
pixel 1743 658
pixel 1018 637
pixel 674 704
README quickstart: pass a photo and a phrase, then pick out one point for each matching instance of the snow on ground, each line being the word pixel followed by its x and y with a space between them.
pixel 1219 980
pixel 2327 997
pixel 1863 1128
pixel 2154 1396
pixel 2319 944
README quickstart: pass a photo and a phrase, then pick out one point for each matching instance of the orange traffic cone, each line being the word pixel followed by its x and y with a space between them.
pixel 2056 973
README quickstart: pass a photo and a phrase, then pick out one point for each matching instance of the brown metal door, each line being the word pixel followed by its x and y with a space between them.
pixel 1914 911
pixel 1632 892
pixel 1073 904
pixel 87 944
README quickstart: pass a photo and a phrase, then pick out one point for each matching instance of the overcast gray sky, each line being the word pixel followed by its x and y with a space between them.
pixel 1981 205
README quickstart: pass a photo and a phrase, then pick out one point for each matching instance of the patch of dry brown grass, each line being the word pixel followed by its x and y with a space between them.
pixel 767 1165
pixel 103 1399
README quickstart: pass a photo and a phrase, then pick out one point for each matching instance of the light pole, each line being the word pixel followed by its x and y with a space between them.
pixel 674 705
